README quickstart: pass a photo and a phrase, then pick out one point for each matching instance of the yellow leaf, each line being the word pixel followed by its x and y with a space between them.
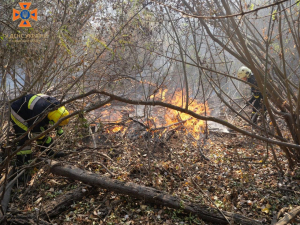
pixel 268 206
pixel 265 210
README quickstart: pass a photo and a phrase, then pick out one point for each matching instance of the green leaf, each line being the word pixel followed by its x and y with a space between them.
pixel 88 43
pixel 103 44
pixel 274 14
pixel 64 44
pixel 252 6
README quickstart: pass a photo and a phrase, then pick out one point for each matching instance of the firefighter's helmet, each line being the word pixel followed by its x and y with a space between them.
pixel 58 114
pixel 244 72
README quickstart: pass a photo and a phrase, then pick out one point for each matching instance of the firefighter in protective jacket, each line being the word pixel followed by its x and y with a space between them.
pixel 28 111
pixel 244 73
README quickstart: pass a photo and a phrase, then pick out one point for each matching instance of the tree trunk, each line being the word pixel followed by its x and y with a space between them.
pixel 148 194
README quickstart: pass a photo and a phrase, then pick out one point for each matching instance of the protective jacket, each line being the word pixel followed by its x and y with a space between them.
pixel 256 95
pixel 29 109
pixel 256 98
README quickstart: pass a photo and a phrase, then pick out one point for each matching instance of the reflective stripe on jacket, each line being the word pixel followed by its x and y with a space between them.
pixel 18 120
pixel 27 110
pixel 34 99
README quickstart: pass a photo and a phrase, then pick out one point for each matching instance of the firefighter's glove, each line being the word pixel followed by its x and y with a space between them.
pixel 46 142
pixel 59 131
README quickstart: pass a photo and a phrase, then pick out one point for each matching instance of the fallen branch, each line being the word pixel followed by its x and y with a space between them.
pixel 171 125
pixel 5 178
pixel 289 216
pixel 61 203
pixel 27 219
pixel 51 208
pixel 6 196
pixel 148 194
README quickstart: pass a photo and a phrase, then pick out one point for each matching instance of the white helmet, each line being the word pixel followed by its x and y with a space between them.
pixel 243 72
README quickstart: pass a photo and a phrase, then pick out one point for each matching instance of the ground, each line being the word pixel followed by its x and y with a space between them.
pixel 241 176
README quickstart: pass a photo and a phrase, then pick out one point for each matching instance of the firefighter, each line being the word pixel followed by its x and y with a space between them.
pixel 245 74
pixel 28 111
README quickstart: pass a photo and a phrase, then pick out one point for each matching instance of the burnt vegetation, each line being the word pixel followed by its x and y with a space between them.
pixel 159 132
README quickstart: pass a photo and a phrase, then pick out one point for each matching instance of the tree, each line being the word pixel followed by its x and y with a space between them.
pixel 234 31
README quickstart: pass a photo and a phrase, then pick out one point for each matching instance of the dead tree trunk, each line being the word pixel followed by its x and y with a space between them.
pixel 147 194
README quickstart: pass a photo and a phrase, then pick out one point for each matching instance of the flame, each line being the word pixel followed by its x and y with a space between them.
pixel 169 118
pixel 116 129
pixel 161 94
pixel 192 125
pixel 110 115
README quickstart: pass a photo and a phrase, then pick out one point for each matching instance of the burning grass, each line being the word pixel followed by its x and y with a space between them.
pixel 162 119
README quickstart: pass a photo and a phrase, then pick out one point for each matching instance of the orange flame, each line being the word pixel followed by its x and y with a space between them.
pixel 160 94
pixel 117 128
pixel 194 126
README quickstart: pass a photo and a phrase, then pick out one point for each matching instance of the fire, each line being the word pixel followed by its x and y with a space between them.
pixel 115 129
pixel 194 126
pixel 160 94
pixel 111 116
pixel 162 117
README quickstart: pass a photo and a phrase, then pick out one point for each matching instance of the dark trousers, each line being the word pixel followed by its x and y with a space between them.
pixel 257 106
pixel 21 159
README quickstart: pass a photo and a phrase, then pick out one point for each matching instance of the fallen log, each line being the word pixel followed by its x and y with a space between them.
pixel 289 216
pixel 147 194
pixel 61 203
